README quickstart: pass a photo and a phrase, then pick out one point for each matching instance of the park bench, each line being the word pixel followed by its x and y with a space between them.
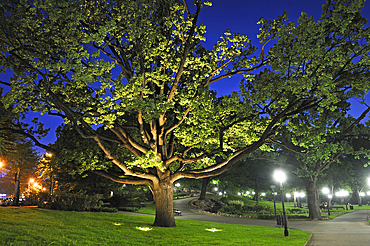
pixel 176 212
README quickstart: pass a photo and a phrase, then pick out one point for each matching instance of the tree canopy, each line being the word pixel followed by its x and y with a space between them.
pixel 139 69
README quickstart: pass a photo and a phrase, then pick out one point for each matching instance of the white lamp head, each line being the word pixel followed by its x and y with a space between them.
pixel 279 176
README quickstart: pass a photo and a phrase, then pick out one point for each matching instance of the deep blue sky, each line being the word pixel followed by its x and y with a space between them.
pixel 239 16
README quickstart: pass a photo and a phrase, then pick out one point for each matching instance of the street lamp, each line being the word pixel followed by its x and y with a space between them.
pixel 273 192
pixel 281 177
pixel 326 191
pixel 29 182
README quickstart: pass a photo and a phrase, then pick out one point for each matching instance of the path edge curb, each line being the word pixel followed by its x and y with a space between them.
pixel 309 240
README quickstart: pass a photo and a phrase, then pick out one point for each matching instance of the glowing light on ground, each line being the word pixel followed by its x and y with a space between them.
pixel 213 230
pixel 144 228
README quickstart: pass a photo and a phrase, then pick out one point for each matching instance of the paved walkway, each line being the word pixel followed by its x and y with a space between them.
pixel 349 229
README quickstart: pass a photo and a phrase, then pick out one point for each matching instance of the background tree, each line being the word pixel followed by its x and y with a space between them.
pixel 314 141
pixel 139 69
pixel 20 161
pixel 248 174
pixel 354 169
pixel 65 171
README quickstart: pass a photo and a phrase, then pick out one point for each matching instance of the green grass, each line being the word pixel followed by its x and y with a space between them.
pixel 148 209
pixel 33 226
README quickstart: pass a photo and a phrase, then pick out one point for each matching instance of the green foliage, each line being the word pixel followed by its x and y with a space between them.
pixel 236 203
pixel 266 216
pixel 71 201
pixel 224 200
pixel 131 199
pixel 259 208
pixel 104 209
pixel 231 210
pixel 128 209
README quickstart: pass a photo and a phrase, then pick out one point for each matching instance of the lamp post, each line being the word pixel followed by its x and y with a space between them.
pixel 273 192
pixel 281 177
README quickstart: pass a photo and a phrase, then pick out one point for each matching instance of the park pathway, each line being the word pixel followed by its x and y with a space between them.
pixel 351 229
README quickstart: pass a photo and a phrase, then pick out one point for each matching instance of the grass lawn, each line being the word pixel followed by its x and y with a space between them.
pixel 33 226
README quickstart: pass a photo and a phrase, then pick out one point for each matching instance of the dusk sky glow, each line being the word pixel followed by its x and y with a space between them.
pixel 239 16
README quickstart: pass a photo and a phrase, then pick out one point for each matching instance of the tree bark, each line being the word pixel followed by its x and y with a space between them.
pixel 256 196
pixel 16 192
pixel 358 197
pixel 313 199
pixel 163 194
pixel 204 188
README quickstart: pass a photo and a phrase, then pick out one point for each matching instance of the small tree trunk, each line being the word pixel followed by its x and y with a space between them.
pixel 256 196
pixel 163 195
pixel 204 188
pixel 16 192
pixel 313 199
pixel 358 197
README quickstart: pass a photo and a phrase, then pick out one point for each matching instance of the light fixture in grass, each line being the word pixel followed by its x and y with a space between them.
pixel 213 230
pixel 144 228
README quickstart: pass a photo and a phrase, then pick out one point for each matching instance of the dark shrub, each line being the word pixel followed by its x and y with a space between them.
pixel 258 208
pixel 128 209
pixel 224 200
pixel 230 210
pixel 104 209
pixel 265 216
pixel 79 201
pixel 132 199
pixel 248 208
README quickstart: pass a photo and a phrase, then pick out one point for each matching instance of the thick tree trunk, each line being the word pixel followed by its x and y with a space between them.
pixel 313 199
pixel 204 188
pixel 163 194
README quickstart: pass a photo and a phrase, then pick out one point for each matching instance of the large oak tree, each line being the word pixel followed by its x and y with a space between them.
pixel 139 69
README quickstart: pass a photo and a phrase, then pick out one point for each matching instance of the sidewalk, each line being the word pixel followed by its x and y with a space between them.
pixel 349 229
